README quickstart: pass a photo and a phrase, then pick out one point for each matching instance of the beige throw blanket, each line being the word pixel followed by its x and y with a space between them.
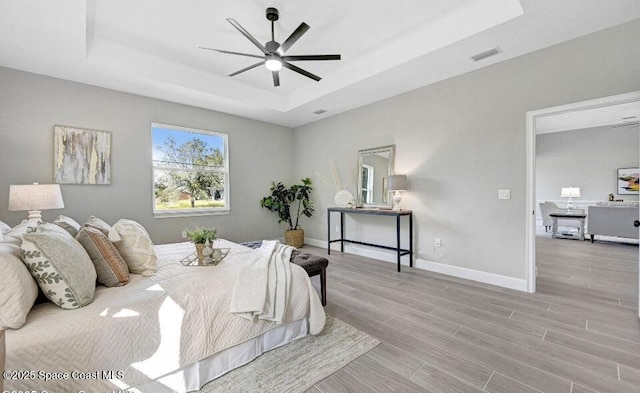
pixel 262 288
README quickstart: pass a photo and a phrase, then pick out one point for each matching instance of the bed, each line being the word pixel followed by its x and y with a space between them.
pixel 171 332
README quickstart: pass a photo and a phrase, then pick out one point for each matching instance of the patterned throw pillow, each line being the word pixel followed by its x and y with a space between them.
pixel 68 224
pixel 111 268
pixel 61 267
pixel 97 223
pixel 135 246
pixel 18 290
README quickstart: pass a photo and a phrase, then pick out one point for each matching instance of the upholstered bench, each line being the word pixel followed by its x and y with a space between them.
pixel 312 264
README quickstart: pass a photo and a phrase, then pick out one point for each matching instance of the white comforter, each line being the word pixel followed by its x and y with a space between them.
pixel 149 328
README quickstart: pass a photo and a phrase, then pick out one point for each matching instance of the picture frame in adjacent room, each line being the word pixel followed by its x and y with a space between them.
pixel 628 181
pixel 81 156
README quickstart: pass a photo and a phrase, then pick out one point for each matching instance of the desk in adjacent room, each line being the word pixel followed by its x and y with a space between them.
pixel 374 212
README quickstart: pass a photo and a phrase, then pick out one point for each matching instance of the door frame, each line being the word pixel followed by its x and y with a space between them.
pixel 532 117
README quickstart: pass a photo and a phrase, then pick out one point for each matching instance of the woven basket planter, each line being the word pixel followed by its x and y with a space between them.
pixel 199 248
pixel 294 237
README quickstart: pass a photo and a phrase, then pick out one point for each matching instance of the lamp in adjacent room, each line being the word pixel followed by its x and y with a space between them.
pixel 34 198
pixel 570 192
pixel 396 184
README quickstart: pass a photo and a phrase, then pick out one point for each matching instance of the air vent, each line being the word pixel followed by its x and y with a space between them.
pixel 319 112
pixel 485 54
pixel 630 124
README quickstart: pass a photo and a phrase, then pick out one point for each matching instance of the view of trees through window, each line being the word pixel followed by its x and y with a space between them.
pixel 189 169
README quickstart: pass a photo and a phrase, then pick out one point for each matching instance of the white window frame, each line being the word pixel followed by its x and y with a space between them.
pixel 225 171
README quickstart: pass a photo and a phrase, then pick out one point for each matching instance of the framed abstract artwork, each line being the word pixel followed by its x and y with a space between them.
pixel 81 156
pixel 628 181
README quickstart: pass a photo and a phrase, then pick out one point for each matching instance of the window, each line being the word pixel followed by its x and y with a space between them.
pixel 190 171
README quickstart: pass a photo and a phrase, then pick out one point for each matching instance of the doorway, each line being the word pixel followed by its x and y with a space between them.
pixel 534 119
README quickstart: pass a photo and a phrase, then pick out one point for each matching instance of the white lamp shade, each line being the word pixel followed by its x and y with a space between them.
pixel 570 192
pixel 35 197
pixel 397 183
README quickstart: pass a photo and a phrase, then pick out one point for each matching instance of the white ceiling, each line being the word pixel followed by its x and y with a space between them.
pixel 150 47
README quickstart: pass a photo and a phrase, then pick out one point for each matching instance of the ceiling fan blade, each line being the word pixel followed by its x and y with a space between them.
pixel 311 57
pixel 232 53
pixel 276 78
pixel 249 36
pixel 295 36
pixel 247 68
pixel 300 71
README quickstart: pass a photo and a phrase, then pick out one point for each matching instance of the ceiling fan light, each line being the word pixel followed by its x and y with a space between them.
pixel 273 64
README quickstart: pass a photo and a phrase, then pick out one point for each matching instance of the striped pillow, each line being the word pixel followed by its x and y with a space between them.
pixel 111 268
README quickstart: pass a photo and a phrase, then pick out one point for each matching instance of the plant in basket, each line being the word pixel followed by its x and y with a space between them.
pixel 290 203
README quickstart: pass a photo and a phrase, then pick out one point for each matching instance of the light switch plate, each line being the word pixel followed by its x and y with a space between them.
pixel 504 194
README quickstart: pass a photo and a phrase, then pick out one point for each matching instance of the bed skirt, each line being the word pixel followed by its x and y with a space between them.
pixel 194 376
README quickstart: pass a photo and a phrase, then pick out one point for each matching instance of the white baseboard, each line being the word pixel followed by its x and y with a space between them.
pixel 519 284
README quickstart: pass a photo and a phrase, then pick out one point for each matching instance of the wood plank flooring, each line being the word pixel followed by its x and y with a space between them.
pixel 579 333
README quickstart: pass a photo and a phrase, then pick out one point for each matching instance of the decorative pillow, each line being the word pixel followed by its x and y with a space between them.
pixel 47 227
pixel 135 246
pixel 4 228
pixel 111 268
pixel 17 231
pixel 18 290
pixel 68 224
pixel 97 223
pixel 61 267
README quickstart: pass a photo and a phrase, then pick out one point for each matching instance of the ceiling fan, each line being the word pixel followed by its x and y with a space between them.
pixel 274 54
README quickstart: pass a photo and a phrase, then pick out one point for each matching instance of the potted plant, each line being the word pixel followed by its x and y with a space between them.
pixel 290 204
pixel 199 237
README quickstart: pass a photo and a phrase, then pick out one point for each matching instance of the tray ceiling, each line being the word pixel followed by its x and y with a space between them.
pixel 150 47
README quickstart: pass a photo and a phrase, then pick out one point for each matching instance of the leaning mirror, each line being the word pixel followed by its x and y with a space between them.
pixel 374 167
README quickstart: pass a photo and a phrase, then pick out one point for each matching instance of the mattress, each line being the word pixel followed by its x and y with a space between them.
pixel 149 329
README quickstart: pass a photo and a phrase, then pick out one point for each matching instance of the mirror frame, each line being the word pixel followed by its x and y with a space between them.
pixel 391 149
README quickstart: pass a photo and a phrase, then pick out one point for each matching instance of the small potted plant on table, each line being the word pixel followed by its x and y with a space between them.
pixel 282 199
pixel 199 237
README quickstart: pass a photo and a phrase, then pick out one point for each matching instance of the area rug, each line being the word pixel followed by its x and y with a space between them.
pixel 299 365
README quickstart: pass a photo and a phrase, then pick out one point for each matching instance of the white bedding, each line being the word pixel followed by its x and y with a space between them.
pixel 149 328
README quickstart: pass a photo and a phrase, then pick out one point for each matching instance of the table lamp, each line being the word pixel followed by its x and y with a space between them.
pixel 34 198
pixel 396 184
pixel 570 192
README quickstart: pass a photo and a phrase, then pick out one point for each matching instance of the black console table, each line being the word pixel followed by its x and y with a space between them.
pixel 375 212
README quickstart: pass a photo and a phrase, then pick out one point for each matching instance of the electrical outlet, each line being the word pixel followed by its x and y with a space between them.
pixel 184 234
pixel 438 242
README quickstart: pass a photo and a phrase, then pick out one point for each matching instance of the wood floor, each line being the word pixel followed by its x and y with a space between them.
pixel 579 333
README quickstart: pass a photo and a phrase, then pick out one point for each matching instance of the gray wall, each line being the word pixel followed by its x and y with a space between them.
pixel 462 139
pixel 588 159
pixel 30 105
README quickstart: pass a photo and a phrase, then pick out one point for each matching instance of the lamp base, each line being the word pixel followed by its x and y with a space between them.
pixel 396 201
pixel 569 205
pixel 35 215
